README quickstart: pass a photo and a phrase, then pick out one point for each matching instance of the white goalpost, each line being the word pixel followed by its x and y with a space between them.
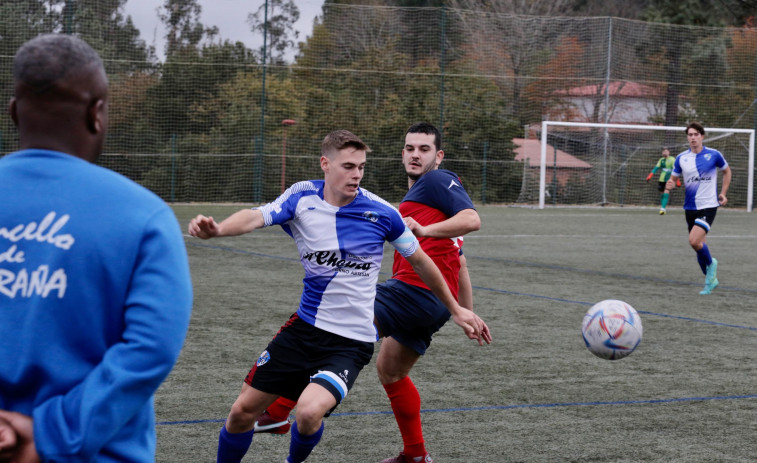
pixel 606 165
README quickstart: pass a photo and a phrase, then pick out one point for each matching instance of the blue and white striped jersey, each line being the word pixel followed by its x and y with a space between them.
pixel 341 249
pixel 699 173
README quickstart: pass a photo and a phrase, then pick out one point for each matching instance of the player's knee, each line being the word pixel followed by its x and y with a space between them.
pixel 384 368
pixel 241 418
pixel 308 417
pixel 388 372
pixel 381 372
pixel 695 242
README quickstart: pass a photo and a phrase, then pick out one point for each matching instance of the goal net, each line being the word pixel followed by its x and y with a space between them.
pixel 584 163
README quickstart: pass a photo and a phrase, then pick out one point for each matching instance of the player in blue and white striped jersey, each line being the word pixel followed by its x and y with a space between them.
pixel 339 229
pixel 698 168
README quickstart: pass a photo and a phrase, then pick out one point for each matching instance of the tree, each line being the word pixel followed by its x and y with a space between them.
pixel 632 9
pixel 742 62
pixel 99 22
pixel 102 24
pixel 494 26
pixel 279 25
pixel 131 130
pixel 19 21
pixel 195 66
pixel 183 27
pixel 542 94
pixel 680 43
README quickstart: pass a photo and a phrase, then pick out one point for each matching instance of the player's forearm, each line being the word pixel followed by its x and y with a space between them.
pixel 465 294
pixel 465 291
pixel 463 222
pixel 727 174
pixel 430 274
pixel 241 222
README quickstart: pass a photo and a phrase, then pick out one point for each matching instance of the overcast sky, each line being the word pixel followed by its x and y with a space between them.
pixel 229 15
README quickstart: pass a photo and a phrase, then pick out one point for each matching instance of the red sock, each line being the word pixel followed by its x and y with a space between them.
pixel 280 409
pixel 406 405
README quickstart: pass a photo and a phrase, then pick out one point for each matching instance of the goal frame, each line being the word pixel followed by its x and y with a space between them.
pixel 545 127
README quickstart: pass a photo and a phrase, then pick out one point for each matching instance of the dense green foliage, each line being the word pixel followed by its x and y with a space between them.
pixel 477 69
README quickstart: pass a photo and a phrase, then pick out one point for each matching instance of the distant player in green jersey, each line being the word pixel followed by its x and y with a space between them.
pixel 665 164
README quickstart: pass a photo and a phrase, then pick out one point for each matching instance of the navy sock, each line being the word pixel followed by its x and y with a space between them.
pixel 233 446
pixel 704 258
pixel 300 446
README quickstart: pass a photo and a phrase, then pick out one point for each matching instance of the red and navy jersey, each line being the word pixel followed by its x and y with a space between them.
pixel 435 197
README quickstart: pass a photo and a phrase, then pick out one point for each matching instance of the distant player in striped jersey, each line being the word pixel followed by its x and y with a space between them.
pixel 698 167
pixel 315 358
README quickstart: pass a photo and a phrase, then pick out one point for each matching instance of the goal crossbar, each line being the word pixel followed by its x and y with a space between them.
pixel 546 124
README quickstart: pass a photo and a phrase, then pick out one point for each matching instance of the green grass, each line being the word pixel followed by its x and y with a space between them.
pixel 688 394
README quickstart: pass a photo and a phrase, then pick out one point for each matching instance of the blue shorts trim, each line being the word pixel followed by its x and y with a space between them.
pixel 332 382
pixel 409 314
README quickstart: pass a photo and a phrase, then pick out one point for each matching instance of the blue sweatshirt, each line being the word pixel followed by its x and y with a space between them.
pixel 95 300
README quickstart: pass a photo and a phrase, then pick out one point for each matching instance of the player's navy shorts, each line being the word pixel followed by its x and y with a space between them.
pixel 702 218
pixel 300 354
pixel 661 186
pixel 409 314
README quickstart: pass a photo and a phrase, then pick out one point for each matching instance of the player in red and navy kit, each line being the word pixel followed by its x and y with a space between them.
pixel 339 229
pixel 439 211
pixel 698 167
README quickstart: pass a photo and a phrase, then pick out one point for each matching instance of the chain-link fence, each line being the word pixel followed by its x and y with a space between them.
pixel 205 124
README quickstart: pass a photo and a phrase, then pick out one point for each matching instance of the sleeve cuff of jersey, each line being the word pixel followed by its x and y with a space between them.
pixel 267 219
pixel 406 244
pixel 50 444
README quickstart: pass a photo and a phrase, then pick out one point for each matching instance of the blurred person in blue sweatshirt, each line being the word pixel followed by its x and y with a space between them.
pixel 95 291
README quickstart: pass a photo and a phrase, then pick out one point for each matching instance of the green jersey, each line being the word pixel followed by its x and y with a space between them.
pixel 666 164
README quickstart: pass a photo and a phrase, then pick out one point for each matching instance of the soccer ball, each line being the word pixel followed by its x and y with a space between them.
pixel 611 329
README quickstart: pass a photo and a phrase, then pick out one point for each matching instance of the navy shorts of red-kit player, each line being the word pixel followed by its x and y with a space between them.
pixel 300 354
pixel 409 314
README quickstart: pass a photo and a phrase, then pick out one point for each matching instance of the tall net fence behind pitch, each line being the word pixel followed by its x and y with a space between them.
pixel 200 118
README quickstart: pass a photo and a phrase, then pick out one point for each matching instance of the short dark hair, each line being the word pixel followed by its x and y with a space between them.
pixel 428 129
pixel 340 139
pixel 696 126
pixel 47 59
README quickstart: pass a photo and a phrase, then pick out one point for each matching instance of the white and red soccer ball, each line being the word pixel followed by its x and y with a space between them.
pixel 612 329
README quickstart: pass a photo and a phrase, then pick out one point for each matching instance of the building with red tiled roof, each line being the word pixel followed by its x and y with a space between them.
pixel 629 102
pixel 559 163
